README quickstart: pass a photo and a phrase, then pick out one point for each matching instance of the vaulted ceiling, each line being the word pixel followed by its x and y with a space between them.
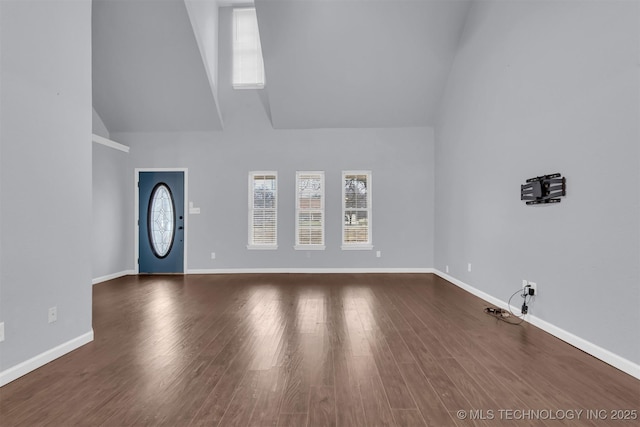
pixel 357 63
pixel 148 73
pixel 328 63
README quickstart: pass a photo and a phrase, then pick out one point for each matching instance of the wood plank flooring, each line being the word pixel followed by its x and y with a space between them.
pixel 313 350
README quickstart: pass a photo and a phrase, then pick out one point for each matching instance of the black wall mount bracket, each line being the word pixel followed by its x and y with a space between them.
pixel 544 189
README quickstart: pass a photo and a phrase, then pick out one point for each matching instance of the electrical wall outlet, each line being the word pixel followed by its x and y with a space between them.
pixel 526 285
pixel 213 255
pixel 469 267
pixel 446 268
pixel 1 331
pixel 53 314
pixel 534 286
pixel 378 254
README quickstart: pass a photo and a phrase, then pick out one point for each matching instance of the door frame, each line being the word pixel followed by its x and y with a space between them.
pixel 136 213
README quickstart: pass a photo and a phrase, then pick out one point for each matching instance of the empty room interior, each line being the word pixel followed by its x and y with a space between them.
pixel 319 212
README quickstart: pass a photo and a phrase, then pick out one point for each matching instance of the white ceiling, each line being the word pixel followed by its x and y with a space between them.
pixel 367 63
pixel 328 63
pixel 148 73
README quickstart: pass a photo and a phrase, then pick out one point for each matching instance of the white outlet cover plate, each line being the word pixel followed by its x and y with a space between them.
pixel 53 314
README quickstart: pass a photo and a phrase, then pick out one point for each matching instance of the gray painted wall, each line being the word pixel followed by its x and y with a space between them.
pixel 45 175
pixel 401 161
pixel 543 87
pixel 218 165
pixel 111 219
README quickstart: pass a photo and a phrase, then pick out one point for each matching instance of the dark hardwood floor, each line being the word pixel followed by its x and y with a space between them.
pixel 316 350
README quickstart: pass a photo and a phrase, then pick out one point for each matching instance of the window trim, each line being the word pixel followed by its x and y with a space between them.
pixel 234 53
pixel 358 246
pixel 250 244
pixel 310 247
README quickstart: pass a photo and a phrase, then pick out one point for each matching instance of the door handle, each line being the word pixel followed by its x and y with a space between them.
pixel 180 228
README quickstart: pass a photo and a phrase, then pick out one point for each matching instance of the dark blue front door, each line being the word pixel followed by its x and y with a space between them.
pixel 161 229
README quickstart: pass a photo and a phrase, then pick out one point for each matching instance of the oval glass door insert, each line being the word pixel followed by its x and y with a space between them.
pixel 161 220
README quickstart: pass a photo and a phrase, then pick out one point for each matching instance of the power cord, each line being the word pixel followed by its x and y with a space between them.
pixel 501 314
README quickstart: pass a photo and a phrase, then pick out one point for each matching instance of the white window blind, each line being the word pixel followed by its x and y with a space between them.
pixel 263 210
pixel 309 210
pixel 248 67
pixel 356 209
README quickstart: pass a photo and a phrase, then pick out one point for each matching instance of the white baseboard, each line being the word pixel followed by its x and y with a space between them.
pixel 34 363
pixel 112 276
pixel 596 351
pixel 307 270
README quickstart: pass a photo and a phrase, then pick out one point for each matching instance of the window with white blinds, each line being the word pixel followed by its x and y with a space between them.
pixel 356 209
pixel 263 210
pixel 309 210
pixel 248 67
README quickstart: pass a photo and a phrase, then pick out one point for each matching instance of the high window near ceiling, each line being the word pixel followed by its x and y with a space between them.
pixel 356 210
pixel 248 66
pixel 310 210
pixel 263 210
